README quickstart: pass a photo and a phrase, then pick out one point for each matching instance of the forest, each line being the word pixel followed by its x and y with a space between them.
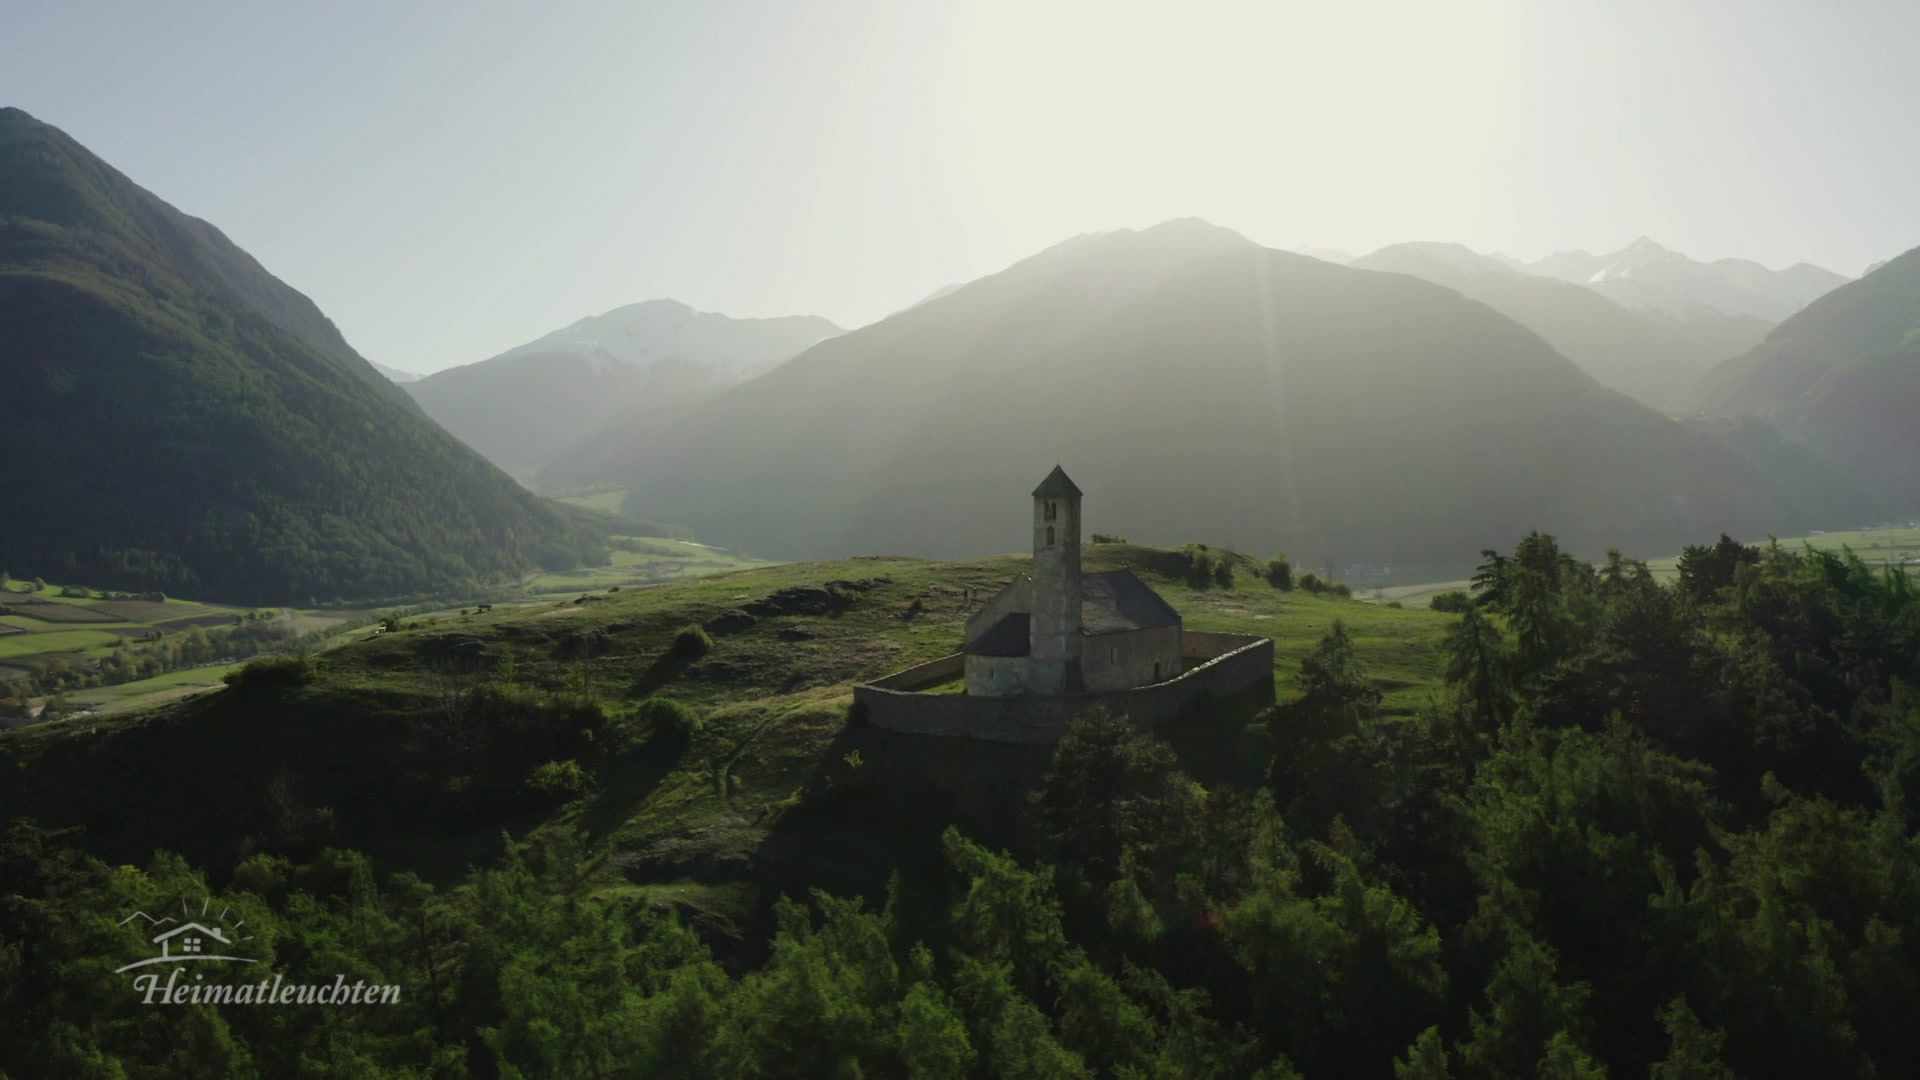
pixel 1647 828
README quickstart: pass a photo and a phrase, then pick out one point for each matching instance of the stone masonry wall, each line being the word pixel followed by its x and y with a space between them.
pixel 1228 664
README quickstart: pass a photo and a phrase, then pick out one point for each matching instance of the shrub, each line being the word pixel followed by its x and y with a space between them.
pixel 1452 602
pixel 559 781
pixel 1310 582
pixel 1280 573
pixel 1108 538
pixel 691 643
pixel 272 671
pixel 1223 570
pixel 669 720
pixel 75 592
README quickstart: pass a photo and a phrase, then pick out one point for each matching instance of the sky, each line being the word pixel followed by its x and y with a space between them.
pixel 448 180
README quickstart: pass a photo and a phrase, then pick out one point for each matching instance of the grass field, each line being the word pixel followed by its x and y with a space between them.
pixel 645 561
pixel 744 793
pixel 609 501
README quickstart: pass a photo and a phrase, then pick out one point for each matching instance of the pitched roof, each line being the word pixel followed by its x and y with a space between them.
pixel 1010 636
pixel 1114 602
pixel 1117 601
pixel 1057 483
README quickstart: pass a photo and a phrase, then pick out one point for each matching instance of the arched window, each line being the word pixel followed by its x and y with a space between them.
pixel 1052 511
pixel 1156 671
pixel 1049 536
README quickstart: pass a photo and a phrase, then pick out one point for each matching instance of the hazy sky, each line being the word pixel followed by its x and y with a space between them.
pixel 450 179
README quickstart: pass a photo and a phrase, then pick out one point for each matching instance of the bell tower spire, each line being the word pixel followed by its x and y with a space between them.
pixel 1055 646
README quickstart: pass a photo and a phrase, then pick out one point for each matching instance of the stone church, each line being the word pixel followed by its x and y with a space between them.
pixel 1058 631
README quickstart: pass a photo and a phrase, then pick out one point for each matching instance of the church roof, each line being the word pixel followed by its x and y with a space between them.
pixel 1057 483
pixel 1117 601
pixel 1008 637
pixel 1113 602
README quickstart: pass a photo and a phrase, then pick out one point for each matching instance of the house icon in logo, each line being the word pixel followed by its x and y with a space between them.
pixel 186 942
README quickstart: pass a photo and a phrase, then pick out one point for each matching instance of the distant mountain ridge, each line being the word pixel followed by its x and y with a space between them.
pixel 1206 388
pixel 1646 276
pixel 1842 375
pixel 636 364
pixel 1646 354
pixel 178 418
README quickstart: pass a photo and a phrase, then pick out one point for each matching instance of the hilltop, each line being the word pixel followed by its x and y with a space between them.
pixel 363 751
pixel 179 419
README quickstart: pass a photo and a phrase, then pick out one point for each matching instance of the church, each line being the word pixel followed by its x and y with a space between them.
pixel 1058 630
pixel 1057 641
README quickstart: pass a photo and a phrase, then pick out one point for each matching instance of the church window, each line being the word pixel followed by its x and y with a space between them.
pixel 1053 510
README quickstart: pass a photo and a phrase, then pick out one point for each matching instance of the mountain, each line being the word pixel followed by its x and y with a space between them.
pixel 1644 276
pixel 178 418
pixel 1647 355
pixel 396 375
pixel 1198 387
pixel 634 364
pixel 1842 375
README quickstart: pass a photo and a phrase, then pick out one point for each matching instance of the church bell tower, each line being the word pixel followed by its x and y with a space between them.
pixel 1055 646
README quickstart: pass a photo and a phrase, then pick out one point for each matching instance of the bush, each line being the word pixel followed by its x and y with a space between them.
pixel 559 781
pixel 272 671
pixel 1108 538
pixel 75 592
pixel 669 720
pixel 1310 582
pixel 1453 602
pixel 691 643
pixel 1223 570
pixel 1280 573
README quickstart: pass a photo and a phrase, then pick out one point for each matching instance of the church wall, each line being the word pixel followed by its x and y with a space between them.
pixel 996 676
pixel 1133 658
pixel 1225 665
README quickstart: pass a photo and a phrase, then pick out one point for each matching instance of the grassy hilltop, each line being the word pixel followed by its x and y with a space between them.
pixel 420 746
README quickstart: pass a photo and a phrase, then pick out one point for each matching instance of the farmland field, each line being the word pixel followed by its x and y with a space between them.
pixel 645 561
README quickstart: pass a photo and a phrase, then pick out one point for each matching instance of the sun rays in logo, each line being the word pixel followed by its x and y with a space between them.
pixel 197 936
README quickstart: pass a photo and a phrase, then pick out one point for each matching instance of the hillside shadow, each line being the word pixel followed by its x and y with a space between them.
pixel 625 781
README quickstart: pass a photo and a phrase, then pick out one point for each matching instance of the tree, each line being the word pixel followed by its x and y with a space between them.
pixel 1693 1051
pixel 1477 664
pixel 1110 791
pixel 1280 572
pixel 1335 697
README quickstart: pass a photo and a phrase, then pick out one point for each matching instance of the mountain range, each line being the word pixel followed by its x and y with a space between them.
pixel 1200 387
pixel 1648 354
pixel 1644 276
pixel 635 365
pixel 179 418
pixel 1843 375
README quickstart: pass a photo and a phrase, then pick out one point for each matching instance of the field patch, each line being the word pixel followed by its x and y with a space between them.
pixel 145 610
pixel 47 611
pixel 56 641
pixel 188 623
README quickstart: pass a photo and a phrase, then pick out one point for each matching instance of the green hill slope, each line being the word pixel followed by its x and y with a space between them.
pixel 1843 375
pixel 177 418
pixel 1198 383
pixel 419 745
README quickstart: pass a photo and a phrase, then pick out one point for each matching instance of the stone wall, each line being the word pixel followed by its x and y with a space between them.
pixel 1224 665
pixel 1131 658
